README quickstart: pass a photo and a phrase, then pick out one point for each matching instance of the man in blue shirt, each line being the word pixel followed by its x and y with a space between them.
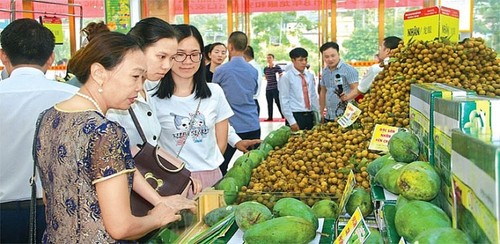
pixel 238 80
pixel 297 92
pixel 337 75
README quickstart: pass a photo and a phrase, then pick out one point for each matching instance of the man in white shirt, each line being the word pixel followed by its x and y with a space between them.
pixel 250 58
pixel 298 97
pixel 4 75
pixel 384 52
pixel 27 53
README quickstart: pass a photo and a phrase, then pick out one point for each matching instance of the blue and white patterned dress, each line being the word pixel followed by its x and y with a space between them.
pixel 73 152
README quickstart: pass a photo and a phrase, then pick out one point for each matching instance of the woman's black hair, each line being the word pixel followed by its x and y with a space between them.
pixel 201 89
pixel 150 30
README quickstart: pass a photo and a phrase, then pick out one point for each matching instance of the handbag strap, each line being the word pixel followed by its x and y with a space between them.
pixel 137 125
pixel 189 128
pixel 32 181
pixel 32 232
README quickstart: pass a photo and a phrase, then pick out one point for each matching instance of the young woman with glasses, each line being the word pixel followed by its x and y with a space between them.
pixel 193 113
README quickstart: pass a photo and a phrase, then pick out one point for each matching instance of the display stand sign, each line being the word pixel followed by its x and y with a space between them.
pixel 349 186
pixel 351 114
pixel 380 137
pixel 218 230
pixel 118 15
pixel 54 24
pixel 356 230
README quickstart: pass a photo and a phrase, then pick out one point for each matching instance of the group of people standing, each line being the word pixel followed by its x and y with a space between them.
pixel 339 83
pixel 83 139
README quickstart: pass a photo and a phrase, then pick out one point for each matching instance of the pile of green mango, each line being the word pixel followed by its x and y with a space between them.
pixel 417 219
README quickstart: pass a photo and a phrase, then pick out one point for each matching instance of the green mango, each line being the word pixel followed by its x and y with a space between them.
pixel 374 166
pixel 286 229
pixel 325 209
pixel 266 148
pixel 388 176
pixel 416 216
pixel 251 213
pixel 218 214
pixel 230 188
pixel 256 156
pixel 419 181
pixel 292 207
pixel 404 146
pixel 241 173
pixel 279 137
pixel 442 235
pixel 362 199
pixel 374 238
pixel 401 201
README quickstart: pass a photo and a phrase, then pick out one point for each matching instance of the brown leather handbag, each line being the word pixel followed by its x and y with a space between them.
pixel 166 178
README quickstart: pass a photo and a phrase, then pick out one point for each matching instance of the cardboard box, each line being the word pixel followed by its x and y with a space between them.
pixel 475 164
pixel 422 98
pixel 430 23
pixel 473 114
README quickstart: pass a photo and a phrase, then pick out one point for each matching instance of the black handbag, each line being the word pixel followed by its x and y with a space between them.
pixel 166 178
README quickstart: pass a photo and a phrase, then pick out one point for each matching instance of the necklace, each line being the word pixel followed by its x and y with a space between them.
pixel 91 100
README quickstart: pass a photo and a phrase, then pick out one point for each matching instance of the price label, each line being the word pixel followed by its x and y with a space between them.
pixel 350 184
pixel 355 231
pixel 351 114
pixel 380 137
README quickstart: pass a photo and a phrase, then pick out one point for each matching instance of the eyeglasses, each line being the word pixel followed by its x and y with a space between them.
pixel 181 57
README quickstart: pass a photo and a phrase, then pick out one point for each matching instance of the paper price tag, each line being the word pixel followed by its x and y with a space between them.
pixel 351 114
pixel 355 231
pixel 350 184
pixel 380 137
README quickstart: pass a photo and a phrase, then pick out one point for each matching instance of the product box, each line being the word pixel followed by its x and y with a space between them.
pixel 473 114
pixel 422 98
pixel 475 166
pixel 430 23
pixel 389 232
pixel 381 197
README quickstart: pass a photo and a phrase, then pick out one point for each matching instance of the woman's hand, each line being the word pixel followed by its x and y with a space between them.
pixel 165 214
pixel 196 184
pixel 243 145
pixel 178 203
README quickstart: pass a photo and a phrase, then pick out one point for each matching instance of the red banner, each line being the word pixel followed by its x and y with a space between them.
pixel 209 7
pixel 95 8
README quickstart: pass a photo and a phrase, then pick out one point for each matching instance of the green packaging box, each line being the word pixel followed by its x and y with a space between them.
pixel 422 98
pixel 475 166
pixel 388 214
pixel 380 197
pixel 472 114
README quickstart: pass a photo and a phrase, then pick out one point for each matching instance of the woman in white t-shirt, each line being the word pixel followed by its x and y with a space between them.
pixel 193 113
